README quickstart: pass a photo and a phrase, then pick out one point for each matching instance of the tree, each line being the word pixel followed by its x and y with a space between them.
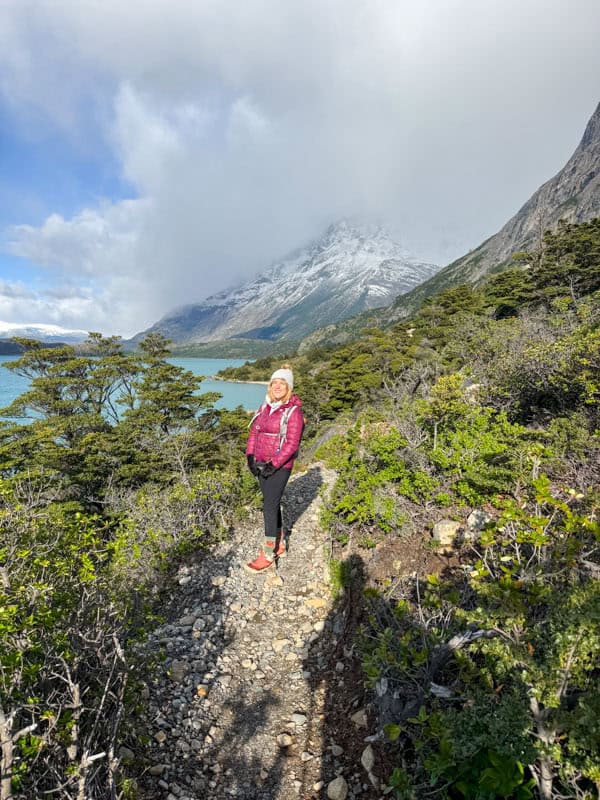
pixel 106 418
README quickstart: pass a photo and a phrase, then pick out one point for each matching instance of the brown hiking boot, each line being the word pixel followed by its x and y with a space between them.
pixel 259 564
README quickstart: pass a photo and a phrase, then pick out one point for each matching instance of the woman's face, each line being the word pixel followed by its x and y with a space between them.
pixel 279 389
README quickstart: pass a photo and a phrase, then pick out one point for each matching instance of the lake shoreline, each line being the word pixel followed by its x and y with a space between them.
pixel 236 380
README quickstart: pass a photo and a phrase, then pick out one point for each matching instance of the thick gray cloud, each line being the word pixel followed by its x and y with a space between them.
pixel 245 128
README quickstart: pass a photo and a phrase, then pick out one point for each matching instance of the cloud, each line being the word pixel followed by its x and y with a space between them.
pixel 93 243
pixel 69 307
pixel 243 129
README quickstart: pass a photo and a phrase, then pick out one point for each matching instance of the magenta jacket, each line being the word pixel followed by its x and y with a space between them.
pixel 264 439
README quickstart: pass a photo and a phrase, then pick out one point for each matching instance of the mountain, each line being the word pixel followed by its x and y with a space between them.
pixel 351 268
pixel 49 334
pixel 572 194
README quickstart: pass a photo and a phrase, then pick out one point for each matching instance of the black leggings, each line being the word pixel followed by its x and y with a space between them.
pixel 272 491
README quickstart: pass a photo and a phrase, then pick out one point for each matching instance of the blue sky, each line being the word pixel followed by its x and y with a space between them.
pixel 152 154
pixel 44 172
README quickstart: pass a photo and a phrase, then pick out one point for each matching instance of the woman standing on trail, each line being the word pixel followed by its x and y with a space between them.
pixel 275 434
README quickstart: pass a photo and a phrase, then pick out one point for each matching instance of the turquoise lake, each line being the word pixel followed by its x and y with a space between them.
pixel 248 395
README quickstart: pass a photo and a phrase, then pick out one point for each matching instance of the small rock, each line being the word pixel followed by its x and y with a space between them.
pixel 337 789
pixel 126 754
pixel 360 718
pixel 157 769
pixel 160 737
pixel 374 780
pixel 315 602
pixel 336 750
pixel 299 719
pixel 477 520
pixel 178 671
pixel 285 740
pixel 445 531
pixel 279 644
pixel 218 580
pixel 367 758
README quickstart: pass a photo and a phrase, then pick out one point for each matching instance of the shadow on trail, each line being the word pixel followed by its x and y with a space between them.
pixel 340 690
pixel 298 496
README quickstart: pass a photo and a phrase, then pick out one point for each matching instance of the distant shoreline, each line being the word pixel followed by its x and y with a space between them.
pixel 235 380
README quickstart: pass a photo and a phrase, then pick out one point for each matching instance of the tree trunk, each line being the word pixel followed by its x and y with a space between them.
pixel 6 761
pixel 546 736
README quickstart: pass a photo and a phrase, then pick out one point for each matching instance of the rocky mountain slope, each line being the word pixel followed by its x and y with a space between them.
pixel 348 270
pixel 572 194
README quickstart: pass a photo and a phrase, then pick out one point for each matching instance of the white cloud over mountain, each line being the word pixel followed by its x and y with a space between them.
pixel 243 129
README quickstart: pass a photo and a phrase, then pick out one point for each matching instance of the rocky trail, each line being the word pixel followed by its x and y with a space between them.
pixel 252 681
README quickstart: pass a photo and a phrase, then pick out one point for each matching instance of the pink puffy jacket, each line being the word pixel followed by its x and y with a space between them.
pixel 264 440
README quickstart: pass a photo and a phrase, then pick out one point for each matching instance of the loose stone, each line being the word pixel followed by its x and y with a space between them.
pixel 285 740
pixel 360 718
pixel 337 789
pixel 367 758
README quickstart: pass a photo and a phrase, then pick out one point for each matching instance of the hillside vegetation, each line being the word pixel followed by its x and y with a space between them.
pixel 484 675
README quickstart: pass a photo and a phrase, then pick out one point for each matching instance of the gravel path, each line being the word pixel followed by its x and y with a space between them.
pixel 237 705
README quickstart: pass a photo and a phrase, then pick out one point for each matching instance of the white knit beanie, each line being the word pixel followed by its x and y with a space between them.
pixel 285 374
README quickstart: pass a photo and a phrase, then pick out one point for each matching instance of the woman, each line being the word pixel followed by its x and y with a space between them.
pixel 275 434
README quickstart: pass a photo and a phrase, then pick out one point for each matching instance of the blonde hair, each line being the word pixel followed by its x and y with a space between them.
pixel 288 394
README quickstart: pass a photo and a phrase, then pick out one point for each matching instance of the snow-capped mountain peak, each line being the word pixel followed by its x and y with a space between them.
pixel 349 269
pixel 41 331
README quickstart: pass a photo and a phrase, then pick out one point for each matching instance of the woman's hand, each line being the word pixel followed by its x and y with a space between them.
pixel 268 469
pixel 251 459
